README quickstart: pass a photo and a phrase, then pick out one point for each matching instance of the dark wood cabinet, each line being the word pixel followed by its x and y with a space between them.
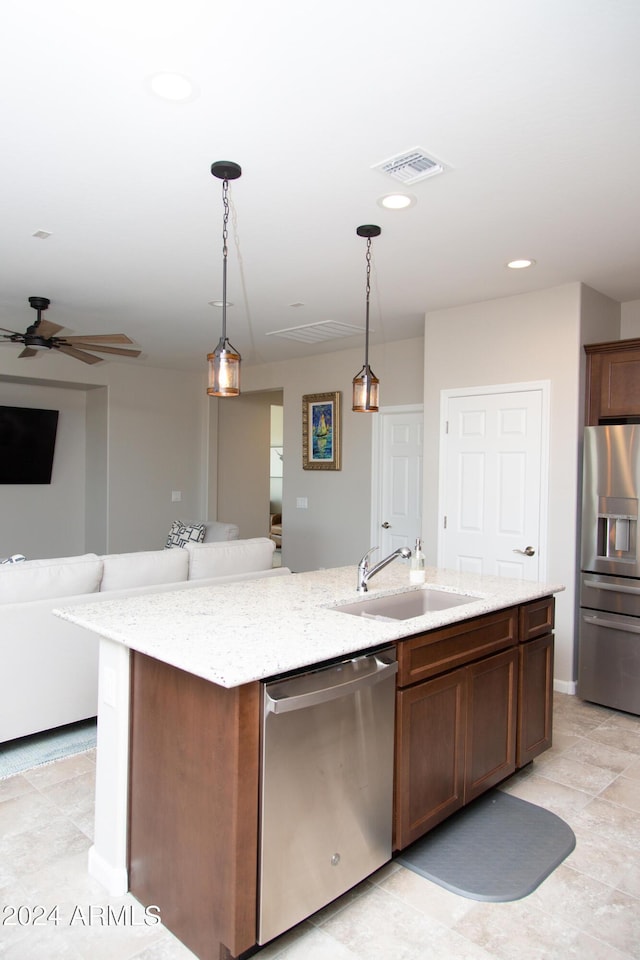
pixel 456 719
pixel 193 807
pixel 613 381
pixel 535 680
pixel 430 755
pixel 474 704
pixel 491 722
pixel 456 738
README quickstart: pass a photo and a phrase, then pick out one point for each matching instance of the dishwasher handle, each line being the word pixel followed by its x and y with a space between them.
pixel 379 670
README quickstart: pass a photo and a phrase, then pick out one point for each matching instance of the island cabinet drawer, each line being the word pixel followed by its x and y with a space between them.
pixel 439 651
pixel 536 619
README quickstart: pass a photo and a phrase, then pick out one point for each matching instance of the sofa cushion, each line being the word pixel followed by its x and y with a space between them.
pixel 215 530
pixel 42 579
pixel 182 533
pixel 144 569
pixel 229 557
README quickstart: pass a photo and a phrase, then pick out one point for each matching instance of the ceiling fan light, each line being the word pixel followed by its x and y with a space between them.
pixel 365 391
pixel 224 370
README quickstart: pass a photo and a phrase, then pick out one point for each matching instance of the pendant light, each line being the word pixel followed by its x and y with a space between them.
pixel 365 383
pixel 224 362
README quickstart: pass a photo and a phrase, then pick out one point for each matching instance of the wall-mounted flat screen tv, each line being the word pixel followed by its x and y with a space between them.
pixel 27 444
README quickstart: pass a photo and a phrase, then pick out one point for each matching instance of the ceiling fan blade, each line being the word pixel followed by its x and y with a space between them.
pixel 78 354
pixel 105 349
pixel 10 331
pixel 28 352
pixel 100 338
pixel 47 329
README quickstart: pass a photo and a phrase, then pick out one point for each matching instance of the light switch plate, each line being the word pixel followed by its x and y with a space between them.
pixel 176 496
pixel 302 503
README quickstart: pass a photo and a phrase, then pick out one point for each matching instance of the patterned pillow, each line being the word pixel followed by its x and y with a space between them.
pixel 182 533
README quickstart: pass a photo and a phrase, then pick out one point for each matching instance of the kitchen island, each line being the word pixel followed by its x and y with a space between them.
pixel 178 735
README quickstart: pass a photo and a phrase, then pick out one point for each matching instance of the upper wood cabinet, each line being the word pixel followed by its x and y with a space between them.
pixel 613 381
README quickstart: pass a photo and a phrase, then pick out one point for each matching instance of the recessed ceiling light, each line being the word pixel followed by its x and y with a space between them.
pixel 397 201
pixel 172 86
pixel 520 264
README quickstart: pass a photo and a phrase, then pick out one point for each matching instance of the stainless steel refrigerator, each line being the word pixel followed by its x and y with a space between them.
pixel 609 626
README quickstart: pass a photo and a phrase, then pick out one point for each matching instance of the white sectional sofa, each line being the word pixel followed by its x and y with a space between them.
pixel 49 667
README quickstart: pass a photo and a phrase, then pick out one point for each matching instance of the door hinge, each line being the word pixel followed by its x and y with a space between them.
pixel 445 523
pixel 446 426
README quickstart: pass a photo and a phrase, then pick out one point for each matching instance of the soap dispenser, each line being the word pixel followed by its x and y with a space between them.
pixel 416 568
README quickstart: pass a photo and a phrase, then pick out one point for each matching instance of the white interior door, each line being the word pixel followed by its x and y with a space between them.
pixel 493 469
pixel 397 479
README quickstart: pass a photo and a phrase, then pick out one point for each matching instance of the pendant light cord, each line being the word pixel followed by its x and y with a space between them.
pixel 225 252
pixel 368 291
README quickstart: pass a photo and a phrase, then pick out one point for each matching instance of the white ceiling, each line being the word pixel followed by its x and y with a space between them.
pixel 532 107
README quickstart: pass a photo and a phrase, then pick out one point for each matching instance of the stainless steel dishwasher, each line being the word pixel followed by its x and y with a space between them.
pixel 326 785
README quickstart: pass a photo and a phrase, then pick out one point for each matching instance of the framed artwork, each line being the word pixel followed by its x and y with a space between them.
pixel 321 431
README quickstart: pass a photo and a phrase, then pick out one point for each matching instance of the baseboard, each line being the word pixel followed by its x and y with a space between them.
pixel 114 879
pixel 565 686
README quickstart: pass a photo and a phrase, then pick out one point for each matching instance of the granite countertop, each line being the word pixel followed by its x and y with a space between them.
pixel 238 632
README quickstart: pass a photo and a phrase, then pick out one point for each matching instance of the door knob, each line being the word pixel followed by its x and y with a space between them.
pixel 386 525
pixel 527 552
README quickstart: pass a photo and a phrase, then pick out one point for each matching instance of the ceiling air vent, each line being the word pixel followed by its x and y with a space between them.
pixel 411 166
pixel 316 332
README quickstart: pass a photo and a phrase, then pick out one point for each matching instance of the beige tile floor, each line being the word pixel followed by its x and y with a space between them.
pixel 588 909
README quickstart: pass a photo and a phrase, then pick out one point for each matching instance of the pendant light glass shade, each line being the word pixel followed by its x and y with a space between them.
pixel 224 371
pixel 365 383
pixel 365 391
pixel 224 361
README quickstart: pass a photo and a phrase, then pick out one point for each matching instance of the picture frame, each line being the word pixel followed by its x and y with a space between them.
pixel 321 427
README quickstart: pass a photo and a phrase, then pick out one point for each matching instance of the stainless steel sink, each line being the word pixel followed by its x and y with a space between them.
pixel 405 606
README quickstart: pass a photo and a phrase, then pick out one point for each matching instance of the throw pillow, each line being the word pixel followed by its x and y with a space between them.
pixel 181 534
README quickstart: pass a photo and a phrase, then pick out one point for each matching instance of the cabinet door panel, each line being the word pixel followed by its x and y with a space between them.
pixel 429 755
pixel 613 380
pixel 536 619
pixel 491 722
pixel 535 698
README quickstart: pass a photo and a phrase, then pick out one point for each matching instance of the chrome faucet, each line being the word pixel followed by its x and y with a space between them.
pixel 365 573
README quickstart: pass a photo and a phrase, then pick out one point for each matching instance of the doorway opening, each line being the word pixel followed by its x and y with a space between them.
pixel 276 476
pixel 244 462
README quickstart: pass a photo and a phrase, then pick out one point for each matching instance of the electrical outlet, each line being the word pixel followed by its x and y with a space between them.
pixel 176 496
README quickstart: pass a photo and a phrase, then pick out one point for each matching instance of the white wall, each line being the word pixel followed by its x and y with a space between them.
pixel 334 529
pixel 145 427
pixel 157 444
pixel 630 321
pixel 535 336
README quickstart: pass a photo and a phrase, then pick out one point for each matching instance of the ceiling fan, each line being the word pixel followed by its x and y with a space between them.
pixel 41 335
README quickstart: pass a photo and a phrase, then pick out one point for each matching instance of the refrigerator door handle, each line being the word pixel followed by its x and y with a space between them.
pixel 613 587
pixel 612 624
